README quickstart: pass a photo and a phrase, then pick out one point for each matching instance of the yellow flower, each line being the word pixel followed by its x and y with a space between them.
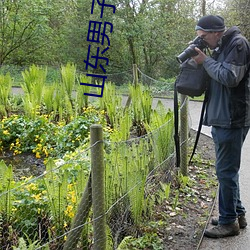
pixel 69 211
pixel 45 151
pixel 16 152
pixel 14 209
pixel 38 155
pixel 37 196
pixel 73 199
pixel 6 132
pixel 103 112
pixel 31 187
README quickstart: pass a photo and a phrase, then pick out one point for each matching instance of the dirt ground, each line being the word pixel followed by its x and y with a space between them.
pixel 187 222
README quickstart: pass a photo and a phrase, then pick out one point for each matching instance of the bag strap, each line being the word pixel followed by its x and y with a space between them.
pixel 199 127
pixel 176 126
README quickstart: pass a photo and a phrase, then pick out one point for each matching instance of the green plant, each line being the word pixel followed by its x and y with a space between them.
pixel 5 90
pixel 23 134
pixel 33 85
pixel 141 104
pixel 184 181
pixel 30 208
pixel 147 241
pixel 23 246
pixel 62 104
pixel 121 131
pixel 112 107
pixel 48 98
pixel 6 184
pixel 43 137
pixel 126 172
pixel 68 74
pixel 161 128
pixel 164 191
pixel 81 100
pixel 56 187
pixel 176 199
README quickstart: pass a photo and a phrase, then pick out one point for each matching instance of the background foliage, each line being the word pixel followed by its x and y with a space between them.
pixel 148 33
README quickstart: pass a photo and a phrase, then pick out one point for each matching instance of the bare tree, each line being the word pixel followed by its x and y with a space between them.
pixel 19 23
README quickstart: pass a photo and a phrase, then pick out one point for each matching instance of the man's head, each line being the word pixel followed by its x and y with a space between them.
pixel 211 28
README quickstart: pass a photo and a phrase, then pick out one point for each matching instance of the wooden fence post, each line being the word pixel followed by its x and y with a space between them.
pixel 135 74
pixel 98 194
pixel 80 218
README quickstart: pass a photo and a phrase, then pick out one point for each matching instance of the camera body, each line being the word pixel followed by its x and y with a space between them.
pixel 190 51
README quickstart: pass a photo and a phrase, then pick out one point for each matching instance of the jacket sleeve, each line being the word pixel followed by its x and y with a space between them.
pixel 234 66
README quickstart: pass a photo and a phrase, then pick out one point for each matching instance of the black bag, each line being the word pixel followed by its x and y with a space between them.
pixel 192 80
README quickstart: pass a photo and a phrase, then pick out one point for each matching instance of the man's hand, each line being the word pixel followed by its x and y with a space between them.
pixel 200 58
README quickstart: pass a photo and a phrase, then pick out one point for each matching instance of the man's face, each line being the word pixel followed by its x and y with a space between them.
pixel 211 38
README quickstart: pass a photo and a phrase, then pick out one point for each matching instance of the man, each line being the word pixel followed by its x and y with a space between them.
pixel 228 112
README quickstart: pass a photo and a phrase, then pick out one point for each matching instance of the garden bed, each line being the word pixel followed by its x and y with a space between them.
pixel 185 226
pixel 178 221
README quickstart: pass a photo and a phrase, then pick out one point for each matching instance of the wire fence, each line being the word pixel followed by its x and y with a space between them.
pixel 55 210
pixel 158 87
pixel 42 209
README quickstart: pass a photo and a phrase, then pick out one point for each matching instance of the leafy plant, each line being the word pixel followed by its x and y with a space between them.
pixel 5 90
pixel 176 199
pixel 112 108
pixel 68 74
pixel 81 100
pixel 164 191
pixel 161 126
pixel 141 104
pixel 6 184
pixel 48 98
pixel 184 181
pixel 147 241
pixel 30 208
pixel 33 85
pixel 22 245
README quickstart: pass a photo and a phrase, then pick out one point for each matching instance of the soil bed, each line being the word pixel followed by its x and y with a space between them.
pixel 186 223
pixel 25 164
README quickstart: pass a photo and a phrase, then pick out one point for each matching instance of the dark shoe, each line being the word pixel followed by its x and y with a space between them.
pixel 241 219
pixel 221 231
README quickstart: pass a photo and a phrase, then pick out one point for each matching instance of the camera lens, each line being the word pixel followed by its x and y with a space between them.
pixel 187 53
pixel 190 51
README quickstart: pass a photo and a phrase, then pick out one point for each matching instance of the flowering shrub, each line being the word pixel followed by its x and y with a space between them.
pixel 46 138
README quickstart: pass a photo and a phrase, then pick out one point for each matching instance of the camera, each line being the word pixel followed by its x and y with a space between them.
pixel 190 51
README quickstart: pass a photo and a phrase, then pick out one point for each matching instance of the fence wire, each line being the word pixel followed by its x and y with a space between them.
pixel 44 210
pixel 40 211
pixel 161 87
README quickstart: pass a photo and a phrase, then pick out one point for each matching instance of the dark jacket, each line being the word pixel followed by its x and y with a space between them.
pixel 229 90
